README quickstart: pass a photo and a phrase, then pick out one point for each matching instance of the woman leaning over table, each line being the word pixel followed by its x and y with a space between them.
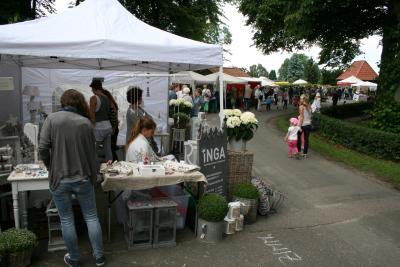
pixel 138 146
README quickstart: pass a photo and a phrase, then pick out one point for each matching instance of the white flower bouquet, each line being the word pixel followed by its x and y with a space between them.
pixel 179 106
pixel 240 126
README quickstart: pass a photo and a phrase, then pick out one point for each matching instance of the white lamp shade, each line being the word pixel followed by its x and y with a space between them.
pixel 31 90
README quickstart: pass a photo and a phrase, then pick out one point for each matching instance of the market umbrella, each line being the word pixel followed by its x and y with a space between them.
pixel 300 81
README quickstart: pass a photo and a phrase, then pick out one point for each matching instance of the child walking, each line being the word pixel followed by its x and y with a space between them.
pixel 291 137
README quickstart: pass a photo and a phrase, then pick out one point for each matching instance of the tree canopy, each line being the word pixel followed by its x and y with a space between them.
pixel 272 75
pixel 312 72
pixel 257 71
pixel 294 68
pixel 337 28
pixel 20 10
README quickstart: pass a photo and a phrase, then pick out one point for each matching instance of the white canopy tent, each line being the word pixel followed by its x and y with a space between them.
pixel 267 82
pixel 300 82
pixel 191 77
pixel 227 78
pixel 102 35
pixel 371 86
pixel 348 81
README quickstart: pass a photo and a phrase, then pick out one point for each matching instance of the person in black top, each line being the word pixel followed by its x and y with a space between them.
pixel 100 110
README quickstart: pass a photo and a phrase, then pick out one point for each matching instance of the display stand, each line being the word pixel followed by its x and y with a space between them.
pixel 239 170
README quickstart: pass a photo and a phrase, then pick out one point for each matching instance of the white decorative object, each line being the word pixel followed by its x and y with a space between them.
pixel 234 210
pixel 230 225
pixel 151 170
pixel 239 223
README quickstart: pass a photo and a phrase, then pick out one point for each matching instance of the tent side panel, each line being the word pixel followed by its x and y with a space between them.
pixel 10 101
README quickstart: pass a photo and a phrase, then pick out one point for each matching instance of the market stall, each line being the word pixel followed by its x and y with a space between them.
pixel 230 82
pixel 97 36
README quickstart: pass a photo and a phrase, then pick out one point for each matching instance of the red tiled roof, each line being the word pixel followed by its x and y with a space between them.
pixel 236 72
pixel 360 69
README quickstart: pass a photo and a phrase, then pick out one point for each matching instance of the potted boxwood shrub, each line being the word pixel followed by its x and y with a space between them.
pixel 18 246
pixel 248 195
pixel 211 209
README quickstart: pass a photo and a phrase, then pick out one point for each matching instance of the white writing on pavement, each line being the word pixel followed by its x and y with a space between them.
pixel 283 254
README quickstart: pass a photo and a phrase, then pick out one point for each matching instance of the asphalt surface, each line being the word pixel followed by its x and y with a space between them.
pixel 332 216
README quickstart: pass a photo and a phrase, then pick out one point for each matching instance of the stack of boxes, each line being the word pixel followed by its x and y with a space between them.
pixel 151 223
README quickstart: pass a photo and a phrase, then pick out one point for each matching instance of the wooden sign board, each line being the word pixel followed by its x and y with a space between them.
pixel 212 158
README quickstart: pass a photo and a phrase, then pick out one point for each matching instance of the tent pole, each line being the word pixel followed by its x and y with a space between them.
pixel 221 95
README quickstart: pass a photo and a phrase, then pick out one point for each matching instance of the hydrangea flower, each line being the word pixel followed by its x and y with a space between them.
pixel 233 122
pixel 248 118
pixel 228 112
pixel 237 112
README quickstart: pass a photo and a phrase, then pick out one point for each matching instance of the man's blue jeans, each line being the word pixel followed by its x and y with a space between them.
pixel 84 191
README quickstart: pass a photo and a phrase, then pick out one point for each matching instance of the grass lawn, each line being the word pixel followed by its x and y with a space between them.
pixel 383 168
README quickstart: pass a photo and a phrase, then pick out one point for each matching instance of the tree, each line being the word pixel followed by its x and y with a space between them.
pixel 258 71
pixel 293 68
pixel 297 64
pixel 194 19
pixel 337 27
pixel 272 75
pixel 312 72
pixel 283 70
pixel 20 10
pixel 328 76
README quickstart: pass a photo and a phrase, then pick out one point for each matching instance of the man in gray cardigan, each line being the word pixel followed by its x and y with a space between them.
pixel 67 147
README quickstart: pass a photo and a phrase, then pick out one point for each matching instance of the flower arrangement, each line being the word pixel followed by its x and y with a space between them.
pixel 179 105
pixel 240 126
pixel 179 110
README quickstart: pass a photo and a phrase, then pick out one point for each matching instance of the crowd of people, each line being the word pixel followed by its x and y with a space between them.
pixel 203 99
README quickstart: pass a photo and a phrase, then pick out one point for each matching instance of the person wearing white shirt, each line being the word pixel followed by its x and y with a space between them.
pixel 316 105
pixel 292 137
pixel 138 145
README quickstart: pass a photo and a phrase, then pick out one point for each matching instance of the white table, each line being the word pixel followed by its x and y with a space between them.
pixel 20 182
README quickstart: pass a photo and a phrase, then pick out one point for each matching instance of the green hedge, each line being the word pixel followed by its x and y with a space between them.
pixel 347 110
pixel 366 140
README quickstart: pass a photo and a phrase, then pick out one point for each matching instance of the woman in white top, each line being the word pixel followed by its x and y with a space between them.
pixel 316 105
pixel 304 123
pixel 186 95
pixel 138 145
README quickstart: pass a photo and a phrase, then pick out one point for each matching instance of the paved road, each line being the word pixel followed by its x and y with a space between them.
pixel 333 216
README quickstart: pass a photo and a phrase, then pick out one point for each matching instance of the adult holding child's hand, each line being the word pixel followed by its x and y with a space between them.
pixel 305 124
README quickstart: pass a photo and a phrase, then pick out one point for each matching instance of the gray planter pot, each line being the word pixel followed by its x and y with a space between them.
pixel 249 210
pixel 209 232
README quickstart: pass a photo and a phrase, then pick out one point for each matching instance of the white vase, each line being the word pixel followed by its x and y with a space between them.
pixel 237 146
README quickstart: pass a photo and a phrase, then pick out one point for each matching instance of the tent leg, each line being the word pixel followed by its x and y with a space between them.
pixel 221 95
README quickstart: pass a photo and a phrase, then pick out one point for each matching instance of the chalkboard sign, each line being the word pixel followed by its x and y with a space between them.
pixel 212 158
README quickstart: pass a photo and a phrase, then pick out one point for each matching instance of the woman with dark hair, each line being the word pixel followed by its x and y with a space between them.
pixel 138 146
pixel 67 147
pixel 113 115
pixel 136 112
pixel 100 107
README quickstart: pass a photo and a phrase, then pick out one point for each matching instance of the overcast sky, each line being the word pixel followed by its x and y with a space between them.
pixel 245 55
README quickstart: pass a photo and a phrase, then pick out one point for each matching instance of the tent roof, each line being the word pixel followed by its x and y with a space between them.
pixel 227 78
pixel 232 71
pixel 348 81
pixel 360 69
pixel 102 34
pixel 191 76
pixel 365 84
pixel 267 82
pixel 300 81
